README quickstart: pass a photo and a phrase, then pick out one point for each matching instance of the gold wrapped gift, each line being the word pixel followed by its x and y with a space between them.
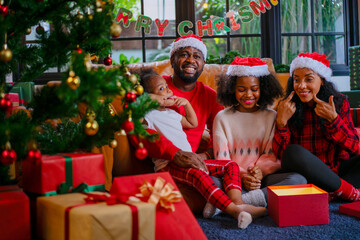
pixel 92 220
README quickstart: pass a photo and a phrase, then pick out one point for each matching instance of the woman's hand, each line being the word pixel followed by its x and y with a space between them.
pixel 255 172
pixel 250 182
pixel 285 111
pixel 326 110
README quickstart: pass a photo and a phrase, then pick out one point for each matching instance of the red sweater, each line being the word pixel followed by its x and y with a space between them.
pixel 203 99
pixel 332 145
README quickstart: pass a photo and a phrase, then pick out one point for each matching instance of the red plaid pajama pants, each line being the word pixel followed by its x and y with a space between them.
pixel 226 169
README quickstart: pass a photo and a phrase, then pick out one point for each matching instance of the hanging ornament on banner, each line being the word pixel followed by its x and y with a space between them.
pixel 161 26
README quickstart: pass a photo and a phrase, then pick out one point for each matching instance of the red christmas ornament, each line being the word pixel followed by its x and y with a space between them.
pixel 107 61
pixel 130 97
pixel 34 156
pixel 8 157
pixel 141 153
pixel 128 125
pixel 5 104
pixel 4 10
pixel 126 105
pixel 79 50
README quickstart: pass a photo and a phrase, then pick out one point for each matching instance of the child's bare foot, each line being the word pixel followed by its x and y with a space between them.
pixel 254 211
pixel 244 219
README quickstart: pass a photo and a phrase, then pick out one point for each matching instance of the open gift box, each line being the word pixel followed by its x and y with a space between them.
pixel 294 205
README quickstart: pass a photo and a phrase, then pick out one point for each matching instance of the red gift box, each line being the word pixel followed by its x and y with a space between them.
pixel 294 205
pixel 46 176
pixel 14 213
pixel 14 98
pixel 180 224
pixel 352 209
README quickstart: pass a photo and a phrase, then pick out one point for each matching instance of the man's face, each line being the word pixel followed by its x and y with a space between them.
pixel 188 64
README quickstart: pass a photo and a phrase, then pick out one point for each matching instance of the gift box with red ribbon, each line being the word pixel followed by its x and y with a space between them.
pixel 94 216
pixel 174 219
pixel 14 213
pixel 294 205
pixel 64 173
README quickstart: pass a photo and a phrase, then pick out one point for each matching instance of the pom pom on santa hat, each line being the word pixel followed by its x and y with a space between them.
pixel 190 40
pixel 314 61
pixel 248 66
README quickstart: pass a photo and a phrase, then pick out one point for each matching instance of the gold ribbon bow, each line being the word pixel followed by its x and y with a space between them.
pixel 160 193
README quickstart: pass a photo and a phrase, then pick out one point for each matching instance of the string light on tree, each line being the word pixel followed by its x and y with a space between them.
pixel 113 143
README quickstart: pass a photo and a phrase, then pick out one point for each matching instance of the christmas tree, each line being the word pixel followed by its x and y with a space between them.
pixel 75 114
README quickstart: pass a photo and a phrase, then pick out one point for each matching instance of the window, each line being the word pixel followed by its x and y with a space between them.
pixel 281 32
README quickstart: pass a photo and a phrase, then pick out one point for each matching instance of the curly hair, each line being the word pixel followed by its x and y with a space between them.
pixel 270 89
pixel 145 75
pixel 326 90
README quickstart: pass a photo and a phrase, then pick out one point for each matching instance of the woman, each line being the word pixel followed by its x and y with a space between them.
pixel 314 132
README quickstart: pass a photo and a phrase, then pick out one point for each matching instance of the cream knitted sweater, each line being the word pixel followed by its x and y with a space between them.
pixel 246 138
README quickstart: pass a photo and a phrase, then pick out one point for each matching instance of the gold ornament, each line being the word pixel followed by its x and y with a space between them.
pixel 139 89
pixel 79 16
pixel 132 78
pixel 71 73
pixel 91 128
pixel 73 82
pixel 115 30
pixel 113 143
pixel 28 31
pixel 90 17
pixel 5 54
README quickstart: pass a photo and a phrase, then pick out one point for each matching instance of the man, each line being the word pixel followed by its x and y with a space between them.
pixel 187 57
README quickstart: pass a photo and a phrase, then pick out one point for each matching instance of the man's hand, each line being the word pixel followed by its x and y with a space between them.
pixel 255 172
pixel 250 182
pixel 326 110
pixel 189 160
pixel 285 111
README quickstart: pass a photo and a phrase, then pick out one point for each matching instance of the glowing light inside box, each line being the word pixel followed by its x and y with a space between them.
pixel 297 191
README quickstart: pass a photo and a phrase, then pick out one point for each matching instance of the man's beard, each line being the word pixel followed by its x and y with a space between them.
pixel 188 79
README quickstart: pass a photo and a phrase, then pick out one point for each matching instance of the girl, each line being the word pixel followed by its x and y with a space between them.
pixel 314 134
pixel 244 132
pixel 170 124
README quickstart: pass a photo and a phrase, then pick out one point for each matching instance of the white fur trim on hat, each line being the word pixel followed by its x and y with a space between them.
pixel 316 66
pixel 189 42
pixel 244 71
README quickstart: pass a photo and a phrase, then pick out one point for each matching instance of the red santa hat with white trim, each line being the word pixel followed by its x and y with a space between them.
pixel 190 40
pixel 314 61
pixel 248 66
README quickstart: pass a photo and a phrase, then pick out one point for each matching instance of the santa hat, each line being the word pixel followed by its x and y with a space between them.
pixel 248 66
pixel 190 40
pixel 314 61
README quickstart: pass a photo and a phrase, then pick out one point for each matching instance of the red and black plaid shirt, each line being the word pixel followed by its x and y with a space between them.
pixel 332 143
